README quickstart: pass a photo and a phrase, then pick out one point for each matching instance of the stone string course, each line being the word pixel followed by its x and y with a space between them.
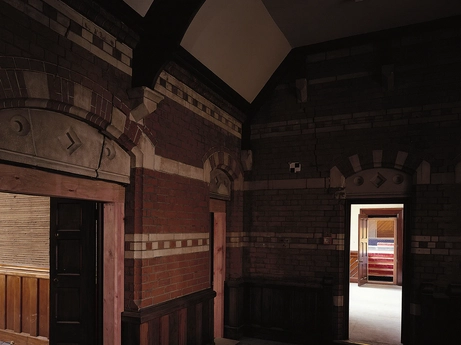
pixel 148 246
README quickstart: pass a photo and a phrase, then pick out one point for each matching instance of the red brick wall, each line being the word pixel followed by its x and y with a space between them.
pixel 163 204
pixel 22 36
pixel 183 136
pixel 286 239
pixel 350 111
pixel 168 204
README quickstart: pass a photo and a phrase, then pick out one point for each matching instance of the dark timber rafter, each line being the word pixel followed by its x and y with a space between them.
pixel 164 26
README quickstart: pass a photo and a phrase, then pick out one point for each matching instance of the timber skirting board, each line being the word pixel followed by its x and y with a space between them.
pixel 22 338
pixel 149 313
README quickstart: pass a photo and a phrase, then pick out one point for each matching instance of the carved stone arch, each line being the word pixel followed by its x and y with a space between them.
pixel 100 136
pixel 54 141
pixel 379 172
pixel 221 160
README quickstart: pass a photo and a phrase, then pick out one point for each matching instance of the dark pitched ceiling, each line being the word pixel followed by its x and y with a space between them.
pixel 241 43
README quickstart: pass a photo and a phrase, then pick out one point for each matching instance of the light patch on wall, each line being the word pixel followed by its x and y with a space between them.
pixel 239 42
pixel 140 6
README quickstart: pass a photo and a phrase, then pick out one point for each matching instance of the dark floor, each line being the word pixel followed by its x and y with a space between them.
pixel 247 341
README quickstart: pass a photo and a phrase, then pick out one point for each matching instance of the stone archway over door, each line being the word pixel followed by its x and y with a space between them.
pixel 379 177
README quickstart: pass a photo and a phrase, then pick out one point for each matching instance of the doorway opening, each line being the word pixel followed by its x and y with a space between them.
pixel 375 273
pixel 50 278
pixel 49 186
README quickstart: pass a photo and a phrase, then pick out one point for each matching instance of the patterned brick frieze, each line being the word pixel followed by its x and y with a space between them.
pixel 433 113
pixel 285 240
pixel 174 89
pixel 68 23
pixel 148 246
pixel 436 245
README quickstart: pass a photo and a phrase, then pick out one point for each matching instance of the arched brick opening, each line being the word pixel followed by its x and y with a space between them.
pixel 42 85
pixel 225 161
pixel 412 165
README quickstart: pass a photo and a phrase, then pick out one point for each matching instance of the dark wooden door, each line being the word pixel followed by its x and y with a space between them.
pixel 363 250
pixel 73 269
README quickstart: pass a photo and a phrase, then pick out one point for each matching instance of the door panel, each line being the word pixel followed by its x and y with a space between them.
pixel 72 272
pixel 363 250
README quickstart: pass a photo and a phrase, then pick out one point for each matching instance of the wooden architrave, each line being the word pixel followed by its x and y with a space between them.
pixel 398 213
pixel 14 179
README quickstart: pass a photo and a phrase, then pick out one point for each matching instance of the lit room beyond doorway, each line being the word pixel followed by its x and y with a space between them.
pixel 375 294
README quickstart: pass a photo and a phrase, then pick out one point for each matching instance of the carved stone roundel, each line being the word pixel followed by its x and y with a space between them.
pixel 19 125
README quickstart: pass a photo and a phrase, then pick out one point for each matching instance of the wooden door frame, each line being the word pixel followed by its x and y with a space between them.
pixel 397 213
pixel 405 247
pixel 22 180
pixel 218 209
pixel 362 257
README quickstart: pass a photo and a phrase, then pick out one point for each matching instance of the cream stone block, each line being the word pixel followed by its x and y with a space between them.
pixel 173 167
pixel 87 35
pixel 355 162
pixel 207 171
pixel 126 50
pixel 337 179
pixel 190 171
pixel 144 101
pixel 58 28
pixel 377 158
pixel 144 153
pixel 98 31
pixel 123 67
pixel 137 246
pixel 115 163
pixel 117 124
pixel 79 40
pixel 82 97
pixel 400 159
pixel 107 48
pixel 126 60
pixel 136 237
pixel 423 173
pixel 37 84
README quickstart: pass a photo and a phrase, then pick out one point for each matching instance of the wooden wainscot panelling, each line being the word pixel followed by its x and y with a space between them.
pixel 24 305
pixel 186 320
pixel 353 267
pixel 440 314
pixel 234 308
pixel 288 312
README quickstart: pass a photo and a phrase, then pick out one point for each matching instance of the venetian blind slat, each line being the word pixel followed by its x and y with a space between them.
pixel 24 230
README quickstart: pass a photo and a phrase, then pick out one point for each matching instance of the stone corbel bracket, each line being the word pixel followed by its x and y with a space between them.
pixel 144 102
